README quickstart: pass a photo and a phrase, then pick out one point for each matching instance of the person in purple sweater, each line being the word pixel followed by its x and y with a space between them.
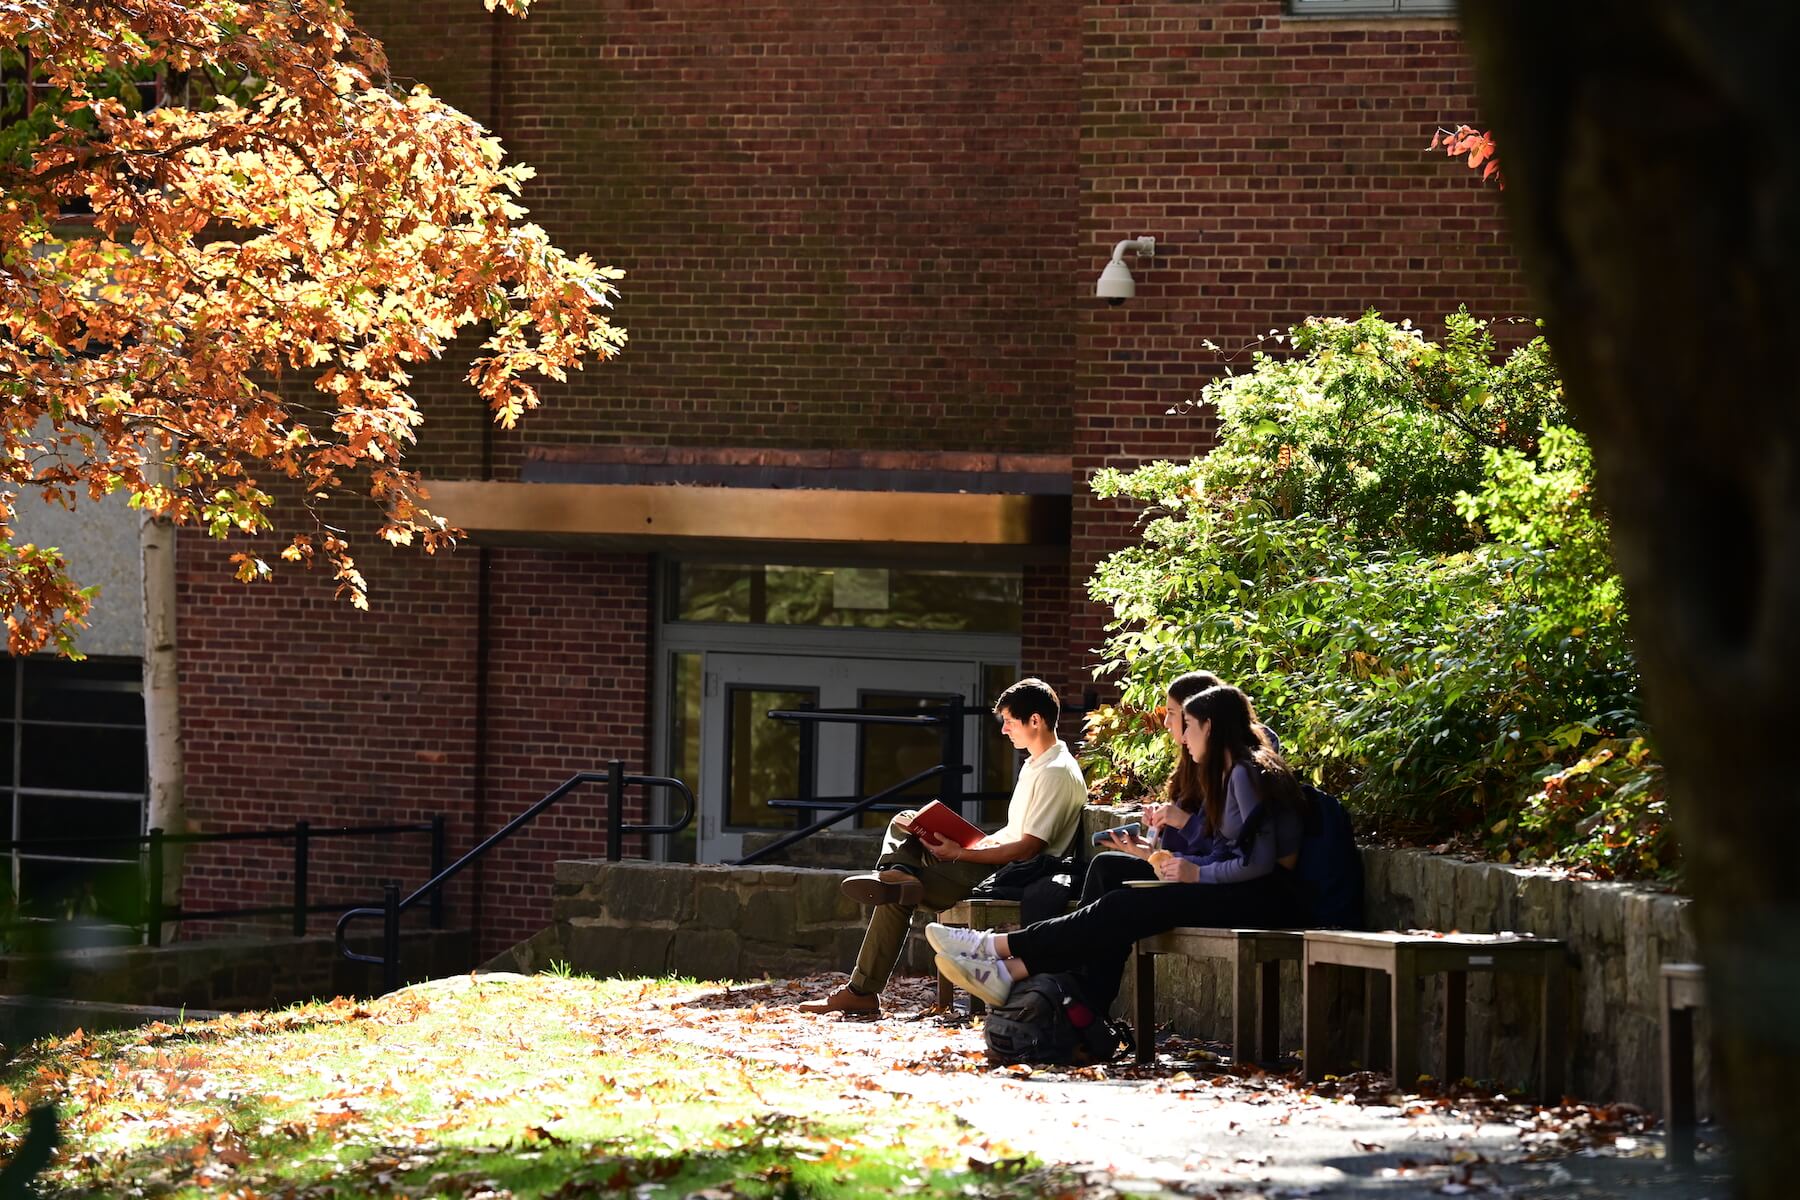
pixel 1166 824
pixel 1241 876
pixel 1127 858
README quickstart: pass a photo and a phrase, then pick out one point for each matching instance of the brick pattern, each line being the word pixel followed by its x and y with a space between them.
pixel 1279 164
pixel 294 706
pixel 1043 640
pixel 961 462
pixel 852 231
pixel 568 689
pixel 843 225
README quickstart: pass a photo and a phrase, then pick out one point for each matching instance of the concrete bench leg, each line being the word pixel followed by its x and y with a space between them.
pixel 1678 1085
pixel 1377 988
pixel 1243 1006
pixel 1553 1029
pixel 1143 1009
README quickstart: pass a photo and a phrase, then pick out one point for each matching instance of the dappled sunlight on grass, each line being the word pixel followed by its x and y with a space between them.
pixel 473 1087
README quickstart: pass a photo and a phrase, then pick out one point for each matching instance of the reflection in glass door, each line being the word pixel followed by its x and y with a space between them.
pixel 762 756
pixel 889 754
pixel 747 760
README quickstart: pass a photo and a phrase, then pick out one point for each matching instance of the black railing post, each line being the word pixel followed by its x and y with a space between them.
pixel 302 856
pixel 808 783
pixel 439 847
pixel 390 937
pixel 951 785
pixel 615 810
pixel 153 902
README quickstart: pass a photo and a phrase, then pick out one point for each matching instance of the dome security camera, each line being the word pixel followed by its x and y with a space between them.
pixel 1116 285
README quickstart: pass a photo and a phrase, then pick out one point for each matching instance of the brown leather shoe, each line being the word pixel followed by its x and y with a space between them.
pixel 850 1003
pixel 892 886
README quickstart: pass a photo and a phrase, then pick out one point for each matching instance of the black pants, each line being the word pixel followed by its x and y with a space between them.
pixel 1108 872
pixel 1095 940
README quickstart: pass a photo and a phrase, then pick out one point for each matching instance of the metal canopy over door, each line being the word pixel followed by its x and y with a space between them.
pixel 747 759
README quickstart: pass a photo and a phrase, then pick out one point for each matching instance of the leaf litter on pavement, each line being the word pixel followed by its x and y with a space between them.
pixel 494 1087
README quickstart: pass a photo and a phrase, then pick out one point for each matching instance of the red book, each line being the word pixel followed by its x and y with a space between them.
pixel 935 818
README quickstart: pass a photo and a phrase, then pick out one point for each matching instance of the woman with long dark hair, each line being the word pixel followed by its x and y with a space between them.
pixel 1125 858
pixel 1250 811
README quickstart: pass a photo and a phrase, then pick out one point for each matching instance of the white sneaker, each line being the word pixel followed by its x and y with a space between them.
pixel 958 939
pixel 982 976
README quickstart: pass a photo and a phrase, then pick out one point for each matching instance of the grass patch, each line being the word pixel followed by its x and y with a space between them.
pixel 542 1087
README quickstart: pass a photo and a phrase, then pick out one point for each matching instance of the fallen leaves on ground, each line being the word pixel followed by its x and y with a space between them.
pixel 489 1088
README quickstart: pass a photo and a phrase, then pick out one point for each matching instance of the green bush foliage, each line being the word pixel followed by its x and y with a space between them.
pixel 1395 548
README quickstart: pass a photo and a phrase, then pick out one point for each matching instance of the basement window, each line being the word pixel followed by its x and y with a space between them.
pixel 72 766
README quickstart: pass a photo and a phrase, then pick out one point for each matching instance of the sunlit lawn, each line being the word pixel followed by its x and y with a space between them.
pixel 538 1087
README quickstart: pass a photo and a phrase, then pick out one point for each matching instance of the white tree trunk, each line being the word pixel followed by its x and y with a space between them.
pixel 162 692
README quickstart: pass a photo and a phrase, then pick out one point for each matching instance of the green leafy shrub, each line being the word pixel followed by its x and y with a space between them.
pixel 1431 620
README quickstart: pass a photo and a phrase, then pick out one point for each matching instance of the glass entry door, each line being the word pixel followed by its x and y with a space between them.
pixel 748 759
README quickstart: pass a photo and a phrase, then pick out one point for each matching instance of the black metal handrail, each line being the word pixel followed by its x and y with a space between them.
pixel 857 809
pixel 948 718
pixel 616 828
pixel 825 803
pixel 303 833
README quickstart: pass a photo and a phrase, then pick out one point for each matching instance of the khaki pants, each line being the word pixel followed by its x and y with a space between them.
pixel 946 883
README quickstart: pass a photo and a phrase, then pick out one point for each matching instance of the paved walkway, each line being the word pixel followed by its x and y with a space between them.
pixel 1190 1126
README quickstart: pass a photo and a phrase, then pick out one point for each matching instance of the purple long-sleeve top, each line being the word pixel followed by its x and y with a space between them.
pixel 1220 856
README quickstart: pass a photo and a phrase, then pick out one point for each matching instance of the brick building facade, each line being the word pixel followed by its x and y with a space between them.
pixel 848 227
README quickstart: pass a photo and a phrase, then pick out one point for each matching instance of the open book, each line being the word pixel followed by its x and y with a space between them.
pixel 945 822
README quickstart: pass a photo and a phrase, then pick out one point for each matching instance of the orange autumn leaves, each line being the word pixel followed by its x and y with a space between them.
pixel 1474 144
pixel 241 281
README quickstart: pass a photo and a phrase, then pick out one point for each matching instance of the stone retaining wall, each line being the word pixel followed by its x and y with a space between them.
pixel 646 918
pixel 1618 936
pixel 226 973
pixel 718 922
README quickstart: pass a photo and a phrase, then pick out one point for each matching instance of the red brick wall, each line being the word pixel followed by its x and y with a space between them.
pixel 1280 166
pixel 568 689
pixel 844 225
pixel 856 226
pixel 297 707
pixel 294 706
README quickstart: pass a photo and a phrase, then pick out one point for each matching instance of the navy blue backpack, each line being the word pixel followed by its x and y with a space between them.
pixel 1330 866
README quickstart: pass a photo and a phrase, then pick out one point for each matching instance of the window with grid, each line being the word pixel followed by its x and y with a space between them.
pixel 73 765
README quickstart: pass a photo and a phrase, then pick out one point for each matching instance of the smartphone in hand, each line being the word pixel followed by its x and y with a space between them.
pixel 1133 830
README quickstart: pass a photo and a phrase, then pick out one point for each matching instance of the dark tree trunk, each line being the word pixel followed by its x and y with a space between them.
pixel 1653 183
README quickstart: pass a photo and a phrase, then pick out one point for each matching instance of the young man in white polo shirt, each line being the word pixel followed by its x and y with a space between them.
pixel 1042 818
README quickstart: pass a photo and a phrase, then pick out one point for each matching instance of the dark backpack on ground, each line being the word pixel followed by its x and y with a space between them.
pixel 1046 1021
pixel 1330 866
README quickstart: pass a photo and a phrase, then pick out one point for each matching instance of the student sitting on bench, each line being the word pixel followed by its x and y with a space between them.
pixel 1242 878
pixel 1125 858
pixel 1042 817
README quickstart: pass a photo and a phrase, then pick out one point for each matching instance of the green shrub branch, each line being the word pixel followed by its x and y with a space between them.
pixel 1396 549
